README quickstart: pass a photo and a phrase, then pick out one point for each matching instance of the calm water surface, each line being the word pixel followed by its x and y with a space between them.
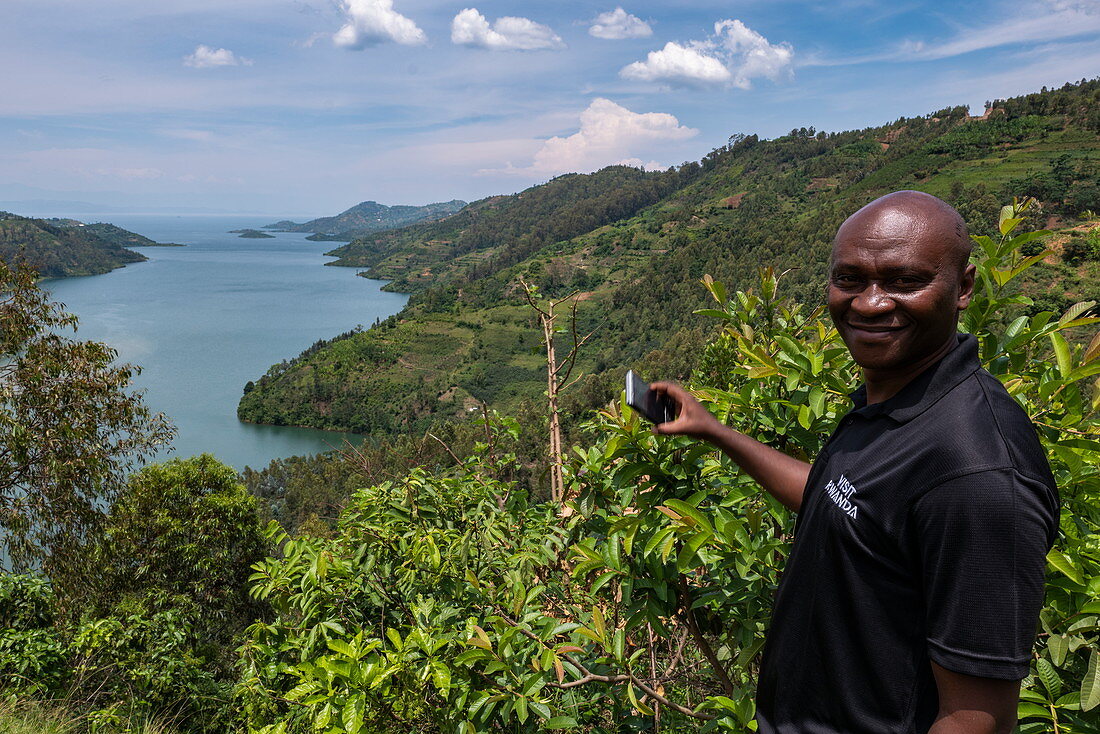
pixel 203 320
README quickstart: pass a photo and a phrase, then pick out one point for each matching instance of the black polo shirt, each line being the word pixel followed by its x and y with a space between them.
pixel 922 536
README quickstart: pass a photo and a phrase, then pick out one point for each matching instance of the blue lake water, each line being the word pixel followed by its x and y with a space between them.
pixel 203 320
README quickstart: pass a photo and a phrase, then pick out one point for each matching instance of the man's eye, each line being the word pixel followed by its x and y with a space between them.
pixel 845 280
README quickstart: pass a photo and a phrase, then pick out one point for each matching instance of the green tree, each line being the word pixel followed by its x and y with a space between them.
pixel 70 429
pixel 184 535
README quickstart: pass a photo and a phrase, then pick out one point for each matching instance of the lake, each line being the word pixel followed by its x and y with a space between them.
pixel 203 320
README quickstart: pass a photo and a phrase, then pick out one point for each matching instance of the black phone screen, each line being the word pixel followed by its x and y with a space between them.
pixel 655 407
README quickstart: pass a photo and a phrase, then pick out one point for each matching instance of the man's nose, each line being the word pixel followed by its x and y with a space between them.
pixel 872 301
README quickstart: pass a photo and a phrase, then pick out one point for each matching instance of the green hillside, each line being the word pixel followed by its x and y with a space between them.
pixel 633 245
pixel 367 217
pixel 64 247
pixel 118 235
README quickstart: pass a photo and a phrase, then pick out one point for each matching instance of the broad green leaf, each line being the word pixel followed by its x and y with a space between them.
pixel 532 684
pixel 1093 350
pixel 560 722
pixel 1057 559
pixel 712 312
pixel 686 510
pixel 441 676
pixel 1076 310
pixel 598 623
pixel 1090 684
pixel 638 705
pixel 656 539
pixel 667 546
pixel 817 401
pixel 343 648
pixel 540 709
pixel 1049 676
pixel 715 288
pixel 1026 709
pixel 601 581
pixel 352 715
pixel 1062 353
pixel 1058 647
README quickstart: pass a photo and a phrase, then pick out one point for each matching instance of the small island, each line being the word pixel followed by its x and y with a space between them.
pixel 252 234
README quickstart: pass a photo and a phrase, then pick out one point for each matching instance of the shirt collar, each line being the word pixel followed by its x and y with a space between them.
pixel 924 390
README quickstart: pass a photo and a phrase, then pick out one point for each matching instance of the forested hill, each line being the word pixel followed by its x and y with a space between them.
pixel 634 245
pixel 59 248
pixel 500 231
pixel 369 216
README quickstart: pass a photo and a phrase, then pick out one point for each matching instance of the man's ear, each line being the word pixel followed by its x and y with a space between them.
pixel 966 286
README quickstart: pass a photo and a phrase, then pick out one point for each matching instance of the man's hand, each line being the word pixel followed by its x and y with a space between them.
pixel 693 419
pixel 972 705
pixel 784 477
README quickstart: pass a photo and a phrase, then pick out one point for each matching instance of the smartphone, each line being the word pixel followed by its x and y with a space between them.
pixel 655 407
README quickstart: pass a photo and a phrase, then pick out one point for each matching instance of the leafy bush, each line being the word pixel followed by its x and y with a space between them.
pixel 143 665
pixel 32 658
pixel 183 535
pixel 158 631
pixel 1078 249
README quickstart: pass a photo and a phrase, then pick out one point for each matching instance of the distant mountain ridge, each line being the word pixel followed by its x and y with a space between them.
pixel 369 216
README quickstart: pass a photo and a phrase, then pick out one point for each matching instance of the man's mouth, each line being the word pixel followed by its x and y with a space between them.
pixel 875 331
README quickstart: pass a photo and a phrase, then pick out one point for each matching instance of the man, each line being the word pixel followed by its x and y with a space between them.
pixel 910 598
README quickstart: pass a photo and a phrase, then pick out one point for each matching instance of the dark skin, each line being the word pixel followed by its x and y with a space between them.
pixel 899 278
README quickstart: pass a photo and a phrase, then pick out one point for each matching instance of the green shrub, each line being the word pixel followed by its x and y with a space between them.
pixel 1079 249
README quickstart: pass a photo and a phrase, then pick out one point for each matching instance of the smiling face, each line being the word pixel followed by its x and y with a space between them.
pixel 897 283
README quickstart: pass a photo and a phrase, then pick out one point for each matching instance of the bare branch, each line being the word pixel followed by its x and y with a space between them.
pixel 446 448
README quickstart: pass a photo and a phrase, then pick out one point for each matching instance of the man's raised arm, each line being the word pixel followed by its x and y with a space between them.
pixel 784 477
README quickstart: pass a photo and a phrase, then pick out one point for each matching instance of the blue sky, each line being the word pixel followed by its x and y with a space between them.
pixel 305 107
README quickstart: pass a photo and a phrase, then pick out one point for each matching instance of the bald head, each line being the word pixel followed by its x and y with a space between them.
pixel 911 216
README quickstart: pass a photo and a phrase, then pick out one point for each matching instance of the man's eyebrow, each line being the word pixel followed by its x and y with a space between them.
pixel 920 268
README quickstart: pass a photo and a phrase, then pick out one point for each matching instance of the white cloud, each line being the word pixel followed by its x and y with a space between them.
pixel 371 22
pixel 198 136
pixel 1081 6
pixel 131 174
pixel 206 57
pixel 733 56
pixel 755 56
pixel 619 24
pixel 679 65
pixel 608 134
pixel 637 163
pixel 470 28
pixel 1071 19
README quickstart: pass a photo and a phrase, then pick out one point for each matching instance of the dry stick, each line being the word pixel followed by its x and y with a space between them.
pixel 704 646
pixel 653 676
pixel 489 443
pixel 446 448
pixel 680 644
pixel 588 676
pixel 546 320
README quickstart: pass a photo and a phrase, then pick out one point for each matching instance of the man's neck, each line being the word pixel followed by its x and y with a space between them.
pixel 884 384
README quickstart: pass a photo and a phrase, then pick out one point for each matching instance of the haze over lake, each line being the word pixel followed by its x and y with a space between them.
pixel 203 320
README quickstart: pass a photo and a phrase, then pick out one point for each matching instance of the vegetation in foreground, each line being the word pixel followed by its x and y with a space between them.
pixel 459 600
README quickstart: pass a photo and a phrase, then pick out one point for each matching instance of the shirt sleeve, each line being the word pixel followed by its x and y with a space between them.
pixel 981 542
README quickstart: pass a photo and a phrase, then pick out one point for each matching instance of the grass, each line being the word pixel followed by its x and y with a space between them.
pixel 23 717
pixel 36 719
